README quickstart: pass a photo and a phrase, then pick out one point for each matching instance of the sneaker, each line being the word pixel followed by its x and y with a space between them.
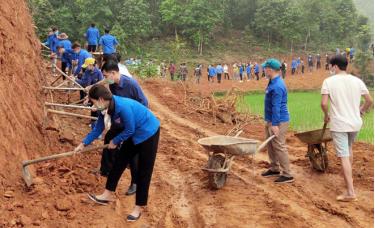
pixel 284 179
pixel 270 173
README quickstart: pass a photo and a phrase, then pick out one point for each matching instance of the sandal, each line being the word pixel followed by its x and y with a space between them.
pixel 98 201
pixel 344 198
pixel 132 218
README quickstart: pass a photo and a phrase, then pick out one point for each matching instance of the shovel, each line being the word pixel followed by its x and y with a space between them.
pixel 324 129
pixel 25 170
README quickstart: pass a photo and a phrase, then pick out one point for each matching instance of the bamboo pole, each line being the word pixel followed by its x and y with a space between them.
pixel 55 88
pixel 76 102
pixel 71 114
pixel 56 80
pixel 69 77
pixel 45 46
pixel 61 84
pixel 69 106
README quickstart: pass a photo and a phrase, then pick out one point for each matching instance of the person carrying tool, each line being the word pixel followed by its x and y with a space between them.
pixel 140 136
pixel 52 42
pixel 92 38
pixel 276 116
pixel 123 86
pixel 344 91
pixel 91 76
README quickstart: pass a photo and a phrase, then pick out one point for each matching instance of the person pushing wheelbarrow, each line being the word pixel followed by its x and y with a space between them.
pixel 276 116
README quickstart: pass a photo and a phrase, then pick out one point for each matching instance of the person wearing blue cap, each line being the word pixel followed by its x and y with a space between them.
pixel 276 116
pixel 92 37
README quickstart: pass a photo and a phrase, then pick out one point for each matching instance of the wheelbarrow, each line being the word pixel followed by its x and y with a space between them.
pixel 221 152
pixel 316 141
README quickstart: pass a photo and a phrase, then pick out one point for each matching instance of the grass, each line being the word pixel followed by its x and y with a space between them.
pixel 305 112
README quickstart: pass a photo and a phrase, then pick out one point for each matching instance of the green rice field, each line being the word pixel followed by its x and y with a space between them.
pixel 305 112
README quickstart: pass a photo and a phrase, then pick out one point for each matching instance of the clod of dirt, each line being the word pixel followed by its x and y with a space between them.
pixel 24 220
pixel 63 205
pixel 38 181
pixel 9 194
pixel 45 215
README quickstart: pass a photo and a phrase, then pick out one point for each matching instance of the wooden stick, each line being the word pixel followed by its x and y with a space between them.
pixel 69 77
pixel 71 114
pixel 45 46
pixel 56 88
pixel 69 106
pixel 76 102
pixel 61 84
pixel 56 80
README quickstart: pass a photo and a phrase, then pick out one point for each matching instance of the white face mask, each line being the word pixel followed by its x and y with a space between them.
pixel 332 71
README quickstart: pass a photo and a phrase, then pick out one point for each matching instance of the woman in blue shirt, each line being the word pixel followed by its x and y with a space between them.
pixel 142 127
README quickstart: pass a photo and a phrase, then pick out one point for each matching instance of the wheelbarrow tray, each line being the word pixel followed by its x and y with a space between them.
pixel 315 136
pixel 229 145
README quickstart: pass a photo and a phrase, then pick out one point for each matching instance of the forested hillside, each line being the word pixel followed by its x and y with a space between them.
pixel 288 24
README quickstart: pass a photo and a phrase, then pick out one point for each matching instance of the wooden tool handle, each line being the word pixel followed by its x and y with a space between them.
pixel 66 154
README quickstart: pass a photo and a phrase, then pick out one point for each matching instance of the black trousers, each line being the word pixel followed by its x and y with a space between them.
pixel 226 76
pixel 257 75
pixel 147 155
pixel 283 72
pixel 91 48
pixel 218 78
pixel 240 76
pixel 172 76
pixel 293 70
pixel 64 65
pixel 109 156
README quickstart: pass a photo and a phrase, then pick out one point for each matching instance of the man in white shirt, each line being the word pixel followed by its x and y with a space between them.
pixel 344 92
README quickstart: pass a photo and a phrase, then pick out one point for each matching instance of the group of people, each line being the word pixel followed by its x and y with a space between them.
pixel 133 130
pixel 342 109
pixel 121 108
pixel 72 55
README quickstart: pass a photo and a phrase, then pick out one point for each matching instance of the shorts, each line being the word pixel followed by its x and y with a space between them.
pixel 343 142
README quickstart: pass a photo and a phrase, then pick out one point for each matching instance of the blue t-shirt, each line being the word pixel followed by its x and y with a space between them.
pixel 248 69
pixel 129 88
pixel 256 68
pixel 294 64
pixel 219 69
pixel 212 71
pixel 138 121
pixel 67 45
pixel 276 102
pixel 92 36
pixel 90 77
pixel 81 56
pixel 108 42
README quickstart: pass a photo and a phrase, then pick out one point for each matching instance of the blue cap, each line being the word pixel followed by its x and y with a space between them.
pixel 272 63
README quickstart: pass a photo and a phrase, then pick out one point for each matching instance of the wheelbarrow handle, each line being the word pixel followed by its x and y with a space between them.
pixel 61 155
pixel 263 144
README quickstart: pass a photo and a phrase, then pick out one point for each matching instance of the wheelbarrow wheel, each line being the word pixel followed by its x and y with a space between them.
pixel 216 180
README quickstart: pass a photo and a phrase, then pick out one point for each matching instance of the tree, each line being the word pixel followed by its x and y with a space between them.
pixel 135 21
